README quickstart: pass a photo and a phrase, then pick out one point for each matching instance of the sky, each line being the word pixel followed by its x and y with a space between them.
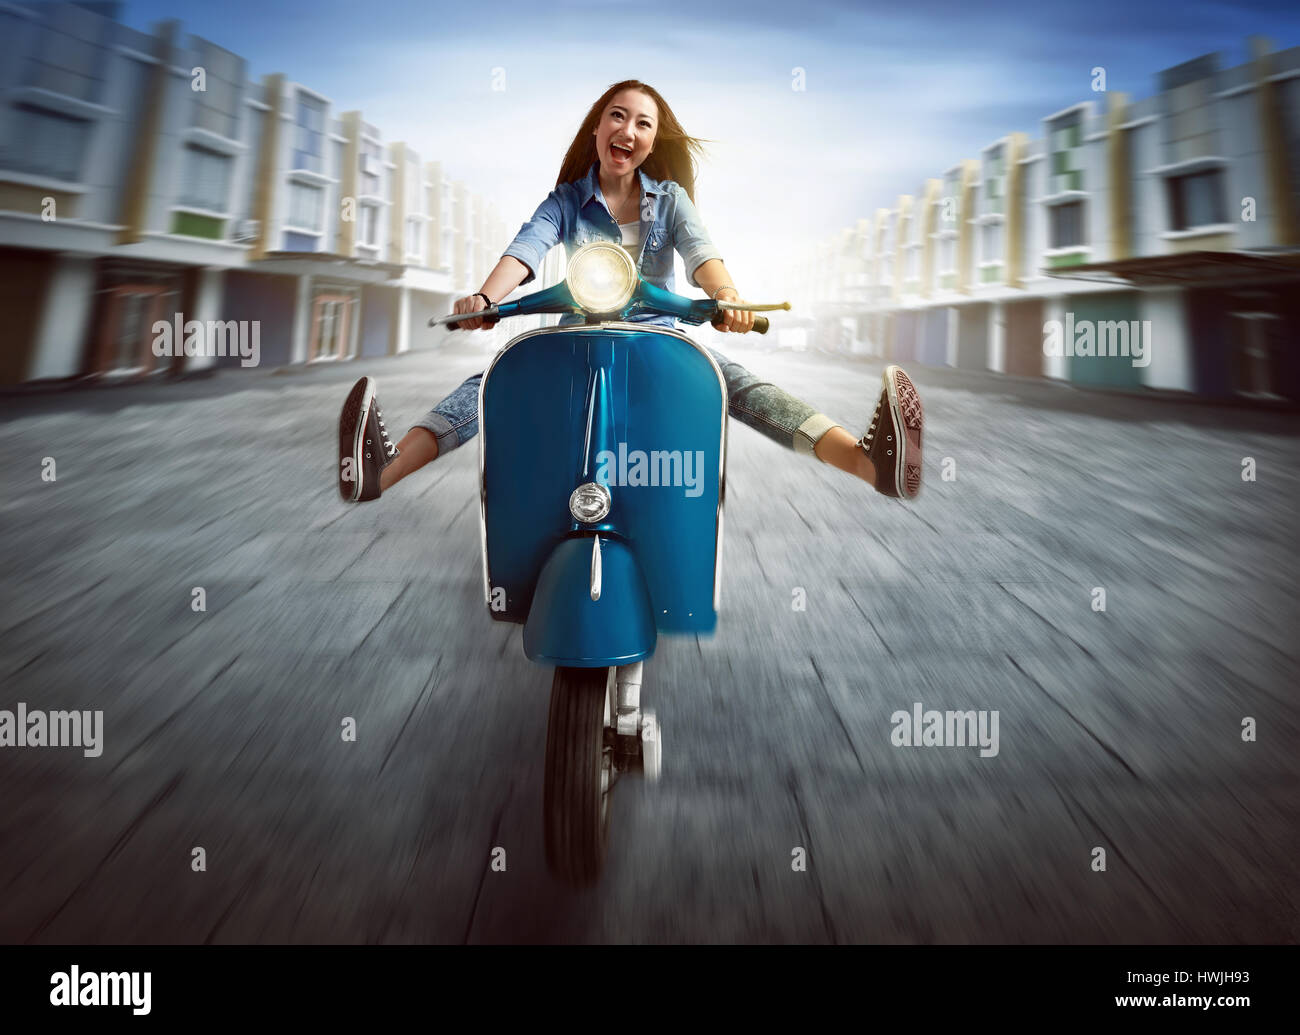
pixel 894 93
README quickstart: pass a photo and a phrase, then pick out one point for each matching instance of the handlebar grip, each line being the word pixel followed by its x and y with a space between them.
pixel 488 321
pixel 761 323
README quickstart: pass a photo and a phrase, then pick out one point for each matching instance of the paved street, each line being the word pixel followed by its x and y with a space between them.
pixel 1119 730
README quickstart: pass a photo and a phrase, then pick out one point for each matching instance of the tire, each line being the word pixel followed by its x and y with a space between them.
pixel 579 775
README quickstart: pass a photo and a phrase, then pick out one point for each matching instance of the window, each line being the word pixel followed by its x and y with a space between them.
pixel 1066 225
pixel 218 108
pixel 913 260
pixel 1196 199
pixel 369 224
pixel 206 179
pixel 217 105
pixel 413 237
pixel 47 143
pixel 995 182
pixel 371 164
pixel 254 150
pixel 70 57
pixel 309 135
pixel 991 242
pixel 304 206
pixel 412 185
pixel 1067 154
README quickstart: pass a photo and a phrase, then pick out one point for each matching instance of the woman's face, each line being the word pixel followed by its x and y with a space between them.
pixel 626 131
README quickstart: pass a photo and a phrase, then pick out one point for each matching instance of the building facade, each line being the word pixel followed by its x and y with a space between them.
pixel 1129 244
pixel 145 178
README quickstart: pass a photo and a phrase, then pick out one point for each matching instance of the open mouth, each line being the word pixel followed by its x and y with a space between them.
pixel 620 154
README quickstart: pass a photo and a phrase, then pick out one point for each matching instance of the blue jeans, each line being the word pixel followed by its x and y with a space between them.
pixel 760 404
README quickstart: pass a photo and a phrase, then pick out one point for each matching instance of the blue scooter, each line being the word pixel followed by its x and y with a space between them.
pixel 602 462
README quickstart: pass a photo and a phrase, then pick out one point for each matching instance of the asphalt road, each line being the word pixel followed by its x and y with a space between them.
pixel 1119 730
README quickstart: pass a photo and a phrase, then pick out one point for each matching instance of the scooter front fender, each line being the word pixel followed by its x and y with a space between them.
pixel 566 626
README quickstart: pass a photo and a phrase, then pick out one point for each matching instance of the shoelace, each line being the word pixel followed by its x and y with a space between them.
pixel 865 441
pixel 390 450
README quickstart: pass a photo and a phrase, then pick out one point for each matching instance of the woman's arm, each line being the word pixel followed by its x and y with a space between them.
pixel 712 276
pixel 520 261
pixel 703 261
pixel 507 275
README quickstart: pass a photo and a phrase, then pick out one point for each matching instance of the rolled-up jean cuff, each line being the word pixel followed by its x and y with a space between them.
pixel 446 434
pixel 809 433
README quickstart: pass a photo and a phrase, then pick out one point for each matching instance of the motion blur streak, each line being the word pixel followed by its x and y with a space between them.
pixel 1119 729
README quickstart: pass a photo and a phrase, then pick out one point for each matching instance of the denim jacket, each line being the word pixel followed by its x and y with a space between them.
pixel 576 214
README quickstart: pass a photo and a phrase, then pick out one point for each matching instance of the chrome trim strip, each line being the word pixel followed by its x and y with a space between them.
pixel 722 469
pixel 593 386
pixel 595 567
pixel 611 325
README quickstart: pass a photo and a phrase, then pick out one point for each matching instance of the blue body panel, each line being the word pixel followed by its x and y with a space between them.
pixel 657 406
pixel 566 627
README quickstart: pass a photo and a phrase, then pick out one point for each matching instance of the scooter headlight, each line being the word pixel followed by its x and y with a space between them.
pixel 589 502
pixel 601 277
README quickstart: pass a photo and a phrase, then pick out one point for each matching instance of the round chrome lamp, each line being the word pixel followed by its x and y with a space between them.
pixel 589 502
pixel 601 277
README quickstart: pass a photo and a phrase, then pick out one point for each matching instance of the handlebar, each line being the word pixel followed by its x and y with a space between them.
pixel 493 314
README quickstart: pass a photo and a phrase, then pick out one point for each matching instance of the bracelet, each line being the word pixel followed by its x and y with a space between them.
pixel 479 294
pixel 724 288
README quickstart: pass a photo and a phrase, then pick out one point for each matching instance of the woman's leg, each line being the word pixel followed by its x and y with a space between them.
pixel 451 423
pixel 369 464
pixel 840 449
pixel 770 410
pixel 890 457
pixel 418 447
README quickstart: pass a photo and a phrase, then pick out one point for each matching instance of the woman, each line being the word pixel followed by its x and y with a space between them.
pixel 632 165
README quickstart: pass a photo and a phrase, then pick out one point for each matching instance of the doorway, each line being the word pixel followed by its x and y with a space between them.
pixel 332 320
pixel 125 345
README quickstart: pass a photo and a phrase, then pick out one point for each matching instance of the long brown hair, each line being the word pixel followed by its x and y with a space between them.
pixel 675 151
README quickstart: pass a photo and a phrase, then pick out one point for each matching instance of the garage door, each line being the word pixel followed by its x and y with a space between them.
pixel 1112 317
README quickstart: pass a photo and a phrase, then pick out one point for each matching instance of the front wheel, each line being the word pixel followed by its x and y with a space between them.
pixel 579 774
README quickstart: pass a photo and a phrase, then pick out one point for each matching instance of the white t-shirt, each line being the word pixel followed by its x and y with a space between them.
pixel 631 236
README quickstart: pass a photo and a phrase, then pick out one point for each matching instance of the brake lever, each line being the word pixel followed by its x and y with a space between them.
pixel 750 307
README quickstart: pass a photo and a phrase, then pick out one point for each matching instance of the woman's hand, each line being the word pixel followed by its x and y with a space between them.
pixel 734 321
pixel 471 304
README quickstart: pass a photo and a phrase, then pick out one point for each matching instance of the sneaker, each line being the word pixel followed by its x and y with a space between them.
pixel 893 441
pixel 364 447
